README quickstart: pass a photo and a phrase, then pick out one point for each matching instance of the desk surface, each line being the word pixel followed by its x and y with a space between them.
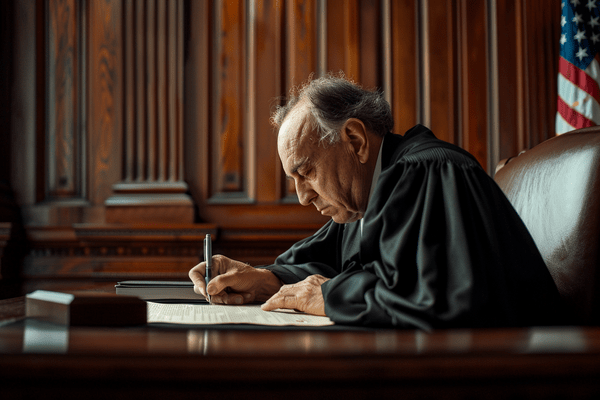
pixel 46 360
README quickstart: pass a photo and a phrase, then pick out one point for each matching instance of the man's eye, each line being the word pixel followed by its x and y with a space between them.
pixel 306 174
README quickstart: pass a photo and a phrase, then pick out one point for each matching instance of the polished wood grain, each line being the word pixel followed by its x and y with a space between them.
pixel 343 37
pixel 156 360
pixel 229 79
pixel 404 92
pixel 542 70
pixel 473 48
pixel 65 103
pixel 151 186
pixel 105 85
pixel 440 69
pixel 267 85
pixel 157 111
pixel 510 53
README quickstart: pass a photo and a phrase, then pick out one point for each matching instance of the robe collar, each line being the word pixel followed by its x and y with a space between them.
pixel 376 174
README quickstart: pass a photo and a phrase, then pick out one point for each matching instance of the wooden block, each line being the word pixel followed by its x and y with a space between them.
pixel 85 308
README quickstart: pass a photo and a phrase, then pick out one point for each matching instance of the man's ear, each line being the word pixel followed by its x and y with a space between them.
pixel 355 132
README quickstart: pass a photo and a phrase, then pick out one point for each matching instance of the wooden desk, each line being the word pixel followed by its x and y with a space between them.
pixel 45 361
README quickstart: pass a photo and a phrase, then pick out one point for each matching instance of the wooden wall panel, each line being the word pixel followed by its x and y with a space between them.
pixel 473 79
pixel 370 48
pixel 229 79
pixel 527 67
pixel 404 75
pixel 151 186
pixel 134 111
pixel 64 101
pixel 343 37
pixel 439 107
pixel 153 103
pixel 301 41
pixel 22 107
pixel 267 86
pixel 265 200
pixel 509 70
pixel 301 51
pixel 541 65
pixel 197 105
pixel 104 84
pixel 441 63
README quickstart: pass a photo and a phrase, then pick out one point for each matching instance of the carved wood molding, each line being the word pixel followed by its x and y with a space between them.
pixel 121 251
pixel 65 105
pixel 152 186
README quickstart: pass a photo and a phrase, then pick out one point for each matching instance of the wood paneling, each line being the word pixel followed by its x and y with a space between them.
pixel 509 70
pixel 229 80
pixel 64 101
pixel 301 41
pixel 104 87
pixel 527 53
pixel 267 86
pixel 403 80
pixel 343 37
pixel 151 186
pixel 130 111
pixel 541 35
pixel 439 69
pixel 473 74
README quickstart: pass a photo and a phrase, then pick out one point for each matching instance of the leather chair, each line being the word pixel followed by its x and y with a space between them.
pixel 555 188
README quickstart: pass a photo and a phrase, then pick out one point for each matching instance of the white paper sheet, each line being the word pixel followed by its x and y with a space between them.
pixel 206 314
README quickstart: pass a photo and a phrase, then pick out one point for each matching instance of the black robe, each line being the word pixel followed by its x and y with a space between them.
pixel 441 247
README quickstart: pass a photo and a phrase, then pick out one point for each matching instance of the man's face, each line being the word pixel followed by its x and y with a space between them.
pixel 330 177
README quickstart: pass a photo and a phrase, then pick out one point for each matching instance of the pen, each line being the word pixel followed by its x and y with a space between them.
pixel 208 259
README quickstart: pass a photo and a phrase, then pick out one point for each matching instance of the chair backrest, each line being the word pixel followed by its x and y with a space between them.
pixel 555 188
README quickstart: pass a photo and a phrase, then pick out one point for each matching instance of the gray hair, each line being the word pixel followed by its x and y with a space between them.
pixel 332 100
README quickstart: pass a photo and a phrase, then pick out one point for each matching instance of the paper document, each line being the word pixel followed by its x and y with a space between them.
pixel 206 314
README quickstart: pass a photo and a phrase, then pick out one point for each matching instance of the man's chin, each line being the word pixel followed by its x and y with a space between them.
pixel 346 217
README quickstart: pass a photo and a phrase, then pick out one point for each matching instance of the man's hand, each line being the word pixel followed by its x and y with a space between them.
pixel 303 296
pixel 234 282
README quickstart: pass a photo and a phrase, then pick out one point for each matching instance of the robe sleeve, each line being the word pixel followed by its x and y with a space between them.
pixel 441 247
pixel 315 255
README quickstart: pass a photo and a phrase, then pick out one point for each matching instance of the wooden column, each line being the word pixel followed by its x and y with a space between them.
pixel 152 187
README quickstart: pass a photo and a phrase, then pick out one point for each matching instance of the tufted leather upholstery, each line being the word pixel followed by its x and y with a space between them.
pixel 555 188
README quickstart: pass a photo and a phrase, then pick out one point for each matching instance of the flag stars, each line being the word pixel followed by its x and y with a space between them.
pixel 594 22
pixel 591 4
pixel 579 36
pixel 575 3
pixel 577 18
pixel 563 39
pixel 582 53
pixel 595 38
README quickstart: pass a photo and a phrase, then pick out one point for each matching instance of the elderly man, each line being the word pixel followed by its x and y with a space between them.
pixel 420 236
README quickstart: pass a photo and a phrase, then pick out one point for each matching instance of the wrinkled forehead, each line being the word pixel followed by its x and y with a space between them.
pixel 296 131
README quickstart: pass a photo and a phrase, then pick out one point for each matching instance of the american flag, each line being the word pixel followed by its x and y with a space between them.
pixel 578 67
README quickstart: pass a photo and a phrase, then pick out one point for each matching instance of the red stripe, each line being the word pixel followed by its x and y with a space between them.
pixel 579 77
pixel 574 118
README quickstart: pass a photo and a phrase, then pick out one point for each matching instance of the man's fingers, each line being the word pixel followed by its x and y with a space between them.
pixel 196 275
pixel 232 298
pixel 280 301
pixel 227 298
pixel 220 283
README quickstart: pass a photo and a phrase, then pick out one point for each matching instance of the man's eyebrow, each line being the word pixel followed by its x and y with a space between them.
pixel 297 166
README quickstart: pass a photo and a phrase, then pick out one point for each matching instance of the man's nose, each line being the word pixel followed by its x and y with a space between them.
pixel 306 194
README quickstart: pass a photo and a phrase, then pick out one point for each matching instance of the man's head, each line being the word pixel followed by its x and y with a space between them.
pixel 329 137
